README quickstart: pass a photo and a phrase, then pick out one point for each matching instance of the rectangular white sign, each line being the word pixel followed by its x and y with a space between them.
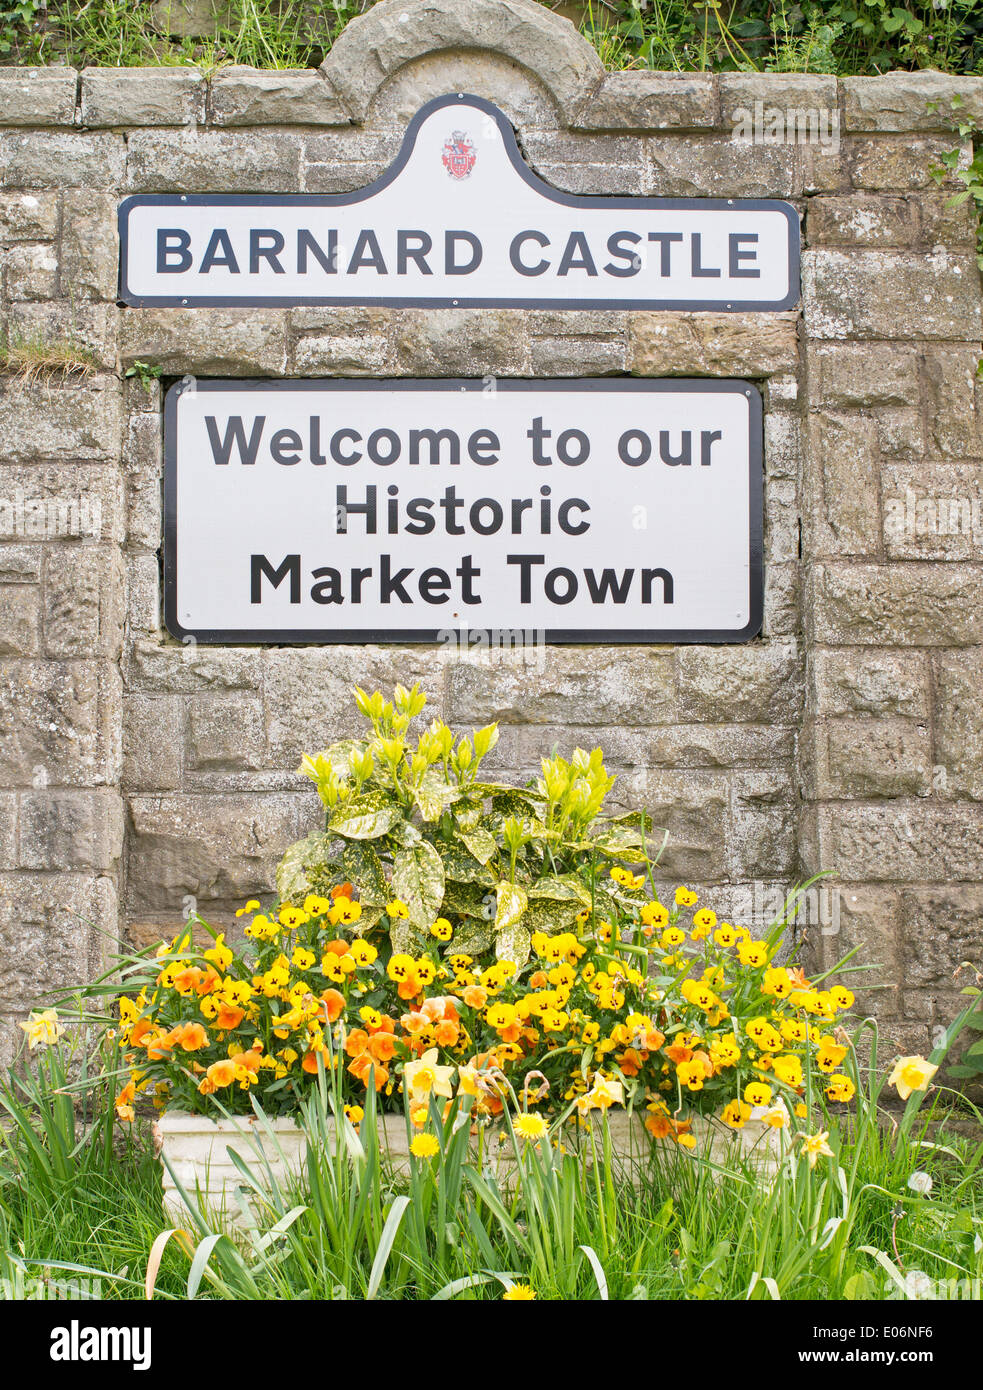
pixel 459 219
pixel 599 510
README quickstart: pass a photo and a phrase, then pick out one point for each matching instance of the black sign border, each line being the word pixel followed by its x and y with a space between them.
pixel 572 200
pixel 432 636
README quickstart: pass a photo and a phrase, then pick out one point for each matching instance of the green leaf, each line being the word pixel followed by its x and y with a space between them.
pixel 555 889
pixel 463 899
pixel 362 866
pixel 481 843
pixel 418 878
pixel 365 817
pixel 461 867
pixel 514 943
pixel 339 756
pixel 434 795
pixel 512 903
pixel 472 938
pixel 314 851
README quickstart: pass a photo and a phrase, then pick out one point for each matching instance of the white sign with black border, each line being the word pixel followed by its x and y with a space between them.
pixel 459 220
pixel 596 510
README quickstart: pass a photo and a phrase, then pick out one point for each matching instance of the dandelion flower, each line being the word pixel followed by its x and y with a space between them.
pixel 424 1146
pixel 518 1292
pixel 529 1126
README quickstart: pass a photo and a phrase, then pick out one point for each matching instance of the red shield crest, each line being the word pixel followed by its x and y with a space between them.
pixel 459 155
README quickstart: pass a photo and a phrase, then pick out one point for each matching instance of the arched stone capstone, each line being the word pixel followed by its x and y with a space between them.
pixel 395 33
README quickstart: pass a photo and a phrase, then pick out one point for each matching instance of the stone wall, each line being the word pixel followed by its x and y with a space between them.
pixel 140 776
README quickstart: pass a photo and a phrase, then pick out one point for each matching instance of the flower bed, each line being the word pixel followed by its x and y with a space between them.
pixel 447 936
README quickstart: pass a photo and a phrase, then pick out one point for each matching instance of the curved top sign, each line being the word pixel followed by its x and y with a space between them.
pixel 459 220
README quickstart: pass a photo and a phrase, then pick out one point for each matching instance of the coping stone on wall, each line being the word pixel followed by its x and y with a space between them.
pixel 374 47
pixel 37 96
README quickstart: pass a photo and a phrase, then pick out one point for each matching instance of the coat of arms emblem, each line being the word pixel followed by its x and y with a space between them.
pixel 459 155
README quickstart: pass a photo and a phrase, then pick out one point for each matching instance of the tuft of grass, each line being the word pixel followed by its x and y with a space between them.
pixel 461 1227
pixel 31 357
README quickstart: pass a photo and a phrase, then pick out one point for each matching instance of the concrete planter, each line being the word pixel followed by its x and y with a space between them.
pixel 195 1151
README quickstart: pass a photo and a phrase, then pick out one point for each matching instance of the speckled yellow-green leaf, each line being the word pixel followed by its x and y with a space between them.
pixel 292 882
pixel 514 943
pixel 418 879
pixel 362 867
pixel 365 817
pixel 511 904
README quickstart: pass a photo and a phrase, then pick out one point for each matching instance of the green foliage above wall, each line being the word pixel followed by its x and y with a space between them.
pixel 839 36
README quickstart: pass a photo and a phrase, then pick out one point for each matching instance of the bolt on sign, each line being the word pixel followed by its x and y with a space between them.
pixel 459 220
pixel 607 510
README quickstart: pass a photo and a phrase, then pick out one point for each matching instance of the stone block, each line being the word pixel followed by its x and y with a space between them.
pixel 932 511
pixel 886 294
pixel 90 245
pixel 783 445
pixel 762 838
pixel 854 374
pixel 959 722
pixel 78 421
pixel 871 758
pixel 390 36
pixel 71 830
pixel 142 96
pixel 61 159
pixel 243 96
pixel 32 270
pixel 855 915
pixel 950 379
pixel 644 100
pixel 220 342
pixel 599 685
pixel 142 461
pixel 225 732
pixel 781 609
pixel 212 162
pixel 59 723
pixel 900 433
pixel 706 344
pixel 752 683
pixel 84 324
pixel 861 219
pixel 931 605
pixel 83 601
pixel 942 929
pixel 910 101
pixel 170 668
pixel 720 167
pixel 787 91
pixel 50 934
pixel 694 807
pixel 37 96
pixel 342 341
pixel 28 216
pixel 308 693
pixel 844 461
pixel 897 165
pixel 143 600
pixel 461 342
pixel 943 223
pixel 206 851
pixel 20 620
pixel 906 842
pixel 883 684
pixel 153 742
